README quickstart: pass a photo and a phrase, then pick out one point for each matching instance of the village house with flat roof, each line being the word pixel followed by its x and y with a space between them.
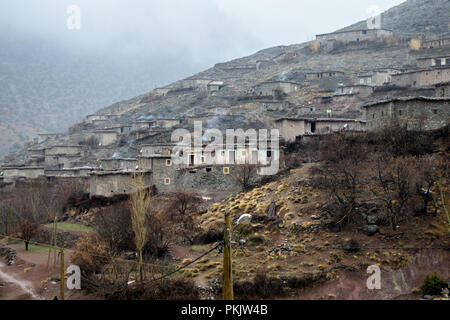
pixel 360 90
pixel 270 88
pixel 162 91
pixel 11 173
pixel 70 172
pixel 125 164
pixel 436 43
pixel 291 128
pixel 113 183
pixel 106 137
pixel 329 41
pixel 317 75
pixel 376 77
pixel 413 112
pixel 422 78
pixel 436 61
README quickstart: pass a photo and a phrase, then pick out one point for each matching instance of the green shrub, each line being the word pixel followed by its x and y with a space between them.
pixel 433 285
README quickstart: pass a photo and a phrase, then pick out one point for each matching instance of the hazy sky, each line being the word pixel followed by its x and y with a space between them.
pixel 201 32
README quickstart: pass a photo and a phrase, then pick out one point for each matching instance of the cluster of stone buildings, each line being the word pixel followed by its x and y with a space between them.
pixel 55 156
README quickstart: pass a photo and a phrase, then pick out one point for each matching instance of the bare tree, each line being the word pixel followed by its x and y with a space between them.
pixel 183 207
pixel 395 181
pixel 244 174
pixel 139 207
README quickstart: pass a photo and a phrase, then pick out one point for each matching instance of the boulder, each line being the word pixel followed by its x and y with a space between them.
pixel 130 255
pixel 372 219
pixel 350 246
pixel 370 230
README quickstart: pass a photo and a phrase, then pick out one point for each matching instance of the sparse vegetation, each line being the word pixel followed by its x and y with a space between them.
pixel 433 285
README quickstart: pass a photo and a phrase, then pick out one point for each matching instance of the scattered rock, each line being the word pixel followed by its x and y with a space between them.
pixel 370 230
pixel 130 255
pixel 350 246
pixel 372 219
pixel 272 210
pixel 8 254
pixel 334 228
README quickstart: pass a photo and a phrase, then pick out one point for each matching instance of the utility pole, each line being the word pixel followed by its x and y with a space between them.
pixel 62 274
pixel 227 286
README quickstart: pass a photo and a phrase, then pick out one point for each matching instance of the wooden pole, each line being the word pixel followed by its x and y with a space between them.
pixel 55 239
pixel 62 275
pixel 227 287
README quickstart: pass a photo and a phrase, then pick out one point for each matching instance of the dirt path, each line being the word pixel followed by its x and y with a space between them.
pixel 13 288
pixel 29 279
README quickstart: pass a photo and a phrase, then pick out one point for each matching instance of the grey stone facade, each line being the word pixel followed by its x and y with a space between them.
pixel 416 113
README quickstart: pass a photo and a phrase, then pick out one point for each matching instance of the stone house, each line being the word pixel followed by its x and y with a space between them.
pixel 291 128
pixel 109 184
pixel 123 164
pixel 426 62
pixel 11 173
pixel 99 118
pixel 360 90
pixel 442 89
pixel 142 125
pixel 42 137
pixel 196 83
pixel 436 43
pixel 162 91
pixel 422 78
pixel 214 86
pixel 148 150
pixel 119 128
pixel 106 137
pixel 167 123
pixel 414 112
pixel 63 150
pixel 60 160
pixel 318 75
pixel 69 172
pixel 354 36
pixel 36 155
pixel 376 77
pixel 269 88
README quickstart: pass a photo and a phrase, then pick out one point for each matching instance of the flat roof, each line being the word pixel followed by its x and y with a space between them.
pixel 405 99
pixel 321 119
pixel 122 159
pixel 349 31
pixel 324 71
pixel 121 172
pixel 64 146
pixel 422 70
pixel 21 167
pixel 276 81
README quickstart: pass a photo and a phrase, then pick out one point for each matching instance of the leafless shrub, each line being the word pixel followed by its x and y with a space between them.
pixel 341 174
pixel 244 175
pixel 113 224
pixel 395 181
pixel 90 254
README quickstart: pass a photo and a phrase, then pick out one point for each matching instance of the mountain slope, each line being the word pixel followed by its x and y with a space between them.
pixel 429 17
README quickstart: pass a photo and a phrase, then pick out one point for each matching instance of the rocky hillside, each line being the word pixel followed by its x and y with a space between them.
pixel 41 92
pixel 430 17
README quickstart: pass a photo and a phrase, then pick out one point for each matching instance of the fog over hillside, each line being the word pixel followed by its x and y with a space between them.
pixel 51 77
